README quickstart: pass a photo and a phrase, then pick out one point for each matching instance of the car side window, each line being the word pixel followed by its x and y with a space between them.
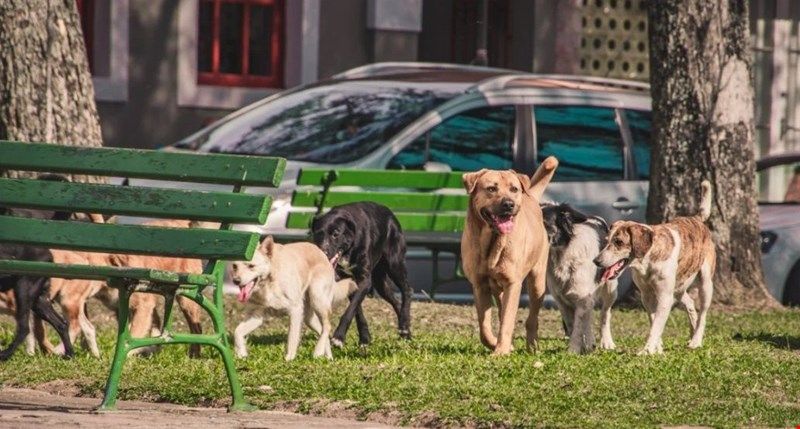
pixel 585 139
pixel 471 140
pixel 640 124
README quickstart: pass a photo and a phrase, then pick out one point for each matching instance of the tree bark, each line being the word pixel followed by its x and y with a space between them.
pixel 703 129
pixel 46 92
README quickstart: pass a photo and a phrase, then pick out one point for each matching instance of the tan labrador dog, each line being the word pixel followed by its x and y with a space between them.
pixel 505 243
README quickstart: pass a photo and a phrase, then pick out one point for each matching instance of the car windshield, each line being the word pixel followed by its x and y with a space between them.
pixel 332 124
pixel 780 184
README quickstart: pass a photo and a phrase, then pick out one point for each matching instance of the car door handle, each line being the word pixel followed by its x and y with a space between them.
pixel 623 203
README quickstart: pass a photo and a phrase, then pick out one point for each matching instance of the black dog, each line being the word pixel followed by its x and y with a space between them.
pixel 364 241
pixel 32 293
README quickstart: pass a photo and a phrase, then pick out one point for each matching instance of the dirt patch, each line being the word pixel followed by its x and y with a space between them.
pixel 25 408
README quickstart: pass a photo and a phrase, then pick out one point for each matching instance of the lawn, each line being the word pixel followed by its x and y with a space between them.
pixel 747 373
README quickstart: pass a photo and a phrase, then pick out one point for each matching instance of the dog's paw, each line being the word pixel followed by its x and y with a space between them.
pixel 607 345
pixel 241 354
pixel 289 357
pixel 5 355
pixel 695 344
pixel 502 351
pixel 650 351
pixel 405 334
pixel 336 342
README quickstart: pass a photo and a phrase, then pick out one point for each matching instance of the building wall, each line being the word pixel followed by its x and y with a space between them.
pixel 151 116
pixel 436 39
pixel 357 32
pixel 344 40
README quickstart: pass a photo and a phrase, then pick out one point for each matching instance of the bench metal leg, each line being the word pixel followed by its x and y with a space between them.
pixel 120 354
pixel 238 403
pixel 223 345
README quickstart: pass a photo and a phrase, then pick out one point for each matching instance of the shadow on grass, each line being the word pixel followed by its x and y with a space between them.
pixel 783 342
pixel 267 340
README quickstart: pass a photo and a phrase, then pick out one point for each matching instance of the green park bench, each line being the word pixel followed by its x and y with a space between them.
pixel 214 246
pixel 431 206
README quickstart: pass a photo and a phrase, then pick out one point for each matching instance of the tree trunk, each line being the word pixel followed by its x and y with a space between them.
pixel 46 92
pixel 703 129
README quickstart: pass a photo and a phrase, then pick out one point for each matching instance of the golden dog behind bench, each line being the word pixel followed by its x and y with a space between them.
pixel 73 294
pixel 504 243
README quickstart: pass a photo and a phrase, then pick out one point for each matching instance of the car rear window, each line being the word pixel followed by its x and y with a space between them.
pixel 585 139
pixel 331 124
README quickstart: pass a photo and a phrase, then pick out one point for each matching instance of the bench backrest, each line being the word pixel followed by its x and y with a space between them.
pixel 225 207
pixel 422 201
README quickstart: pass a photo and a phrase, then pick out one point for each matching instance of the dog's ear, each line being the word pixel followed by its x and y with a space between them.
pixel 267 246
pixel 641 240
pixel 524 182
pixel 471 179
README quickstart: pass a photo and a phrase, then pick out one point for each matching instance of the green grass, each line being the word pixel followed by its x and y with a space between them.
pixel 747 374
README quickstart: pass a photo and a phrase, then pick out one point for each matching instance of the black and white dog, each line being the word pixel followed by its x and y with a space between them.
pixel 573 278
pixel 364 241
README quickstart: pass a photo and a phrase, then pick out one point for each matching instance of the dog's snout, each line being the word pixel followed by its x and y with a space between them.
pixel 507 204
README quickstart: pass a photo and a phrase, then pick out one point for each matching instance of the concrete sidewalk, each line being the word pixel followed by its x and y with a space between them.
pixel 25 408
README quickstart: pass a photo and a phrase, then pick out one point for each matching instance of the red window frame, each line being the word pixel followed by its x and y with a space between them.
pixel 86 13
pixel 275 80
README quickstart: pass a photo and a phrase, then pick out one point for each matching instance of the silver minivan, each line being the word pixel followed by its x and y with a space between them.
pixel 441 117
pixel 450 117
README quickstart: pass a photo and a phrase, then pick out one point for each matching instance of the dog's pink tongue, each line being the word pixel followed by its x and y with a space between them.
pixel 244 292
pixel 612 270
pixel 504 226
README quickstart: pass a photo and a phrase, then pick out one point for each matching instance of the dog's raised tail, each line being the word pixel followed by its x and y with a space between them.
pixel 541 178
pixel 705 200
pixel 343 288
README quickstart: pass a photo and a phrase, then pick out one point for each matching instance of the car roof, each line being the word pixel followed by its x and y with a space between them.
pixel 483 79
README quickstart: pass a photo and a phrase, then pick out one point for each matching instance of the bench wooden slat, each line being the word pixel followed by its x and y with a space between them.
pixel 145 164
pixel 178 242
pixel 398 201
pixel 383 178
pixel 94 272
pixel 134 201
pixel 434 222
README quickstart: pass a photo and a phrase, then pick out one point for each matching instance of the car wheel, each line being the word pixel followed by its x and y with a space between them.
pixel 791 292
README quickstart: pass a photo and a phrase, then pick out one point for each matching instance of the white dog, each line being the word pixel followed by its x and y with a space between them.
pixel 573 278
pixel 296 279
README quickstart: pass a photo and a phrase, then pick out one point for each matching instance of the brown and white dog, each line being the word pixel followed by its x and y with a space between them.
pixel 504 244
pixel 665 261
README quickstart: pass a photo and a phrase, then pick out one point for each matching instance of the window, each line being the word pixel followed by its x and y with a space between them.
pixel 586 140
pixel 329 123
pixel 469 141
pixel 240 43
pixel 639 123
